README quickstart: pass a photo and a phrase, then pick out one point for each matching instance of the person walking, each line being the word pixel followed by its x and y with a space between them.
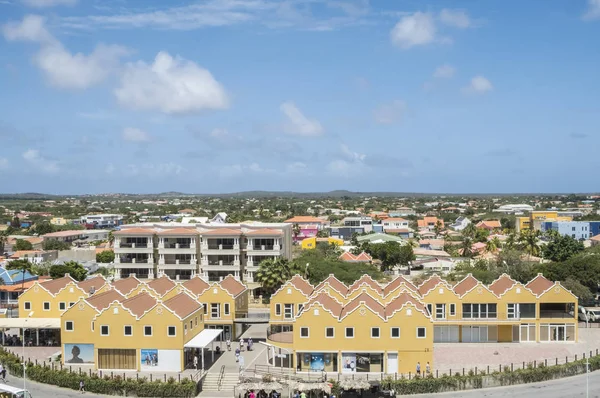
pixel 418 369
pixel 228 344
pixel 81 386
pixel 250 344
pixel 241 344
pixel 237 354
pixel 196 361
pixel 427 369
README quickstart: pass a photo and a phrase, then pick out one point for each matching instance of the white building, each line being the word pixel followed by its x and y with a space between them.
pixel 516 208
pixel 393 224
pixel 103 220
pixel 364 222
pixel 460 223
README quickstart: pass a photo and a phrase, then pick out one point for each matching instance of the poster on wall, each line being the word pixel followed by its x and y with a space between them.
pixel 363 362
pixel 149 357
pixel 79 353
pixel 317 362
pixel 348 363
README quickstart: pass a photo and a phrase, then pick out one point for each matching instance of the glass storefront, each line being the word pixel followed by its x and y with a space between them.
pixel 317 361
pixel 362 362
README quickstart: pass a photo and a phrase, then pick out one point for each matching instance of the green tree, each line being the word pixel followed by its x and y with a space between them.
pixel 296 231
pixel 41 269
pixel 272 273
pixel 561 247
pixel 73 268
pixel 512 263
pixel 3 239
pixel 43 227
pixel 492 245
pixel 53 244
pixel 23 266
pixel 22 244
pixel 529 241
pixel 582 292
pixel 481 235
pixel 466 246
pixel 407 255
pixel 106 256
pixel 322 234
pixel 103 271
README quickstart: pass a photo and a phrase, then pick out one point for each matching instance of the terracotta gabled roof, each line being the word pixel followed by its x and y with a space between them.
pixel 489 224
pixel 233 286
pixel 402 299
pixel 178 232
pixel 368 301
pixel 183 305
pixel 468 283
pixel 55 285
pixel 265 232
pixel 196 285
pixel 126 285
pixel 328 302
pixel 394 284
pixel 302 284
pixel 135 231
pixel 95 283
pixel 429 284
pixel 596 238
pixel 368 280
pixel 502 284
pixel 222 232
pixel 347 256
pixel 103 300
pixel 161 285
pixel 539 284
pixel 304 219
pixel 139 304
pixel 335 284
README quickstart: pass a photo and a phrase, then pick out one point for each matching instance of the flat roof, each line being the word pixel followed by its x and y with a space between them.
pixel 30 323
pixel 204 338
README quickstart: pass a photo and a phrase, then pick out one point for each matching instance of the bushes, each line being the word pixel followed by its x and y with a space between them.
pixel 531 374
pixel 116 385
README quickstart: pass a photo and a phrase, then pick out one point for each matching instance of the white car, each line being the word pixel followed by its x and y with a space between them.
pixel 593 314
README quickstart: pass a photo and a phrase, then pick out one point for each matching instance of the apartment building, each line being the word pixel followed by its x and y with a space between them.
pixel 102 220
pixel 211 251
pixel 389 328
pixel 580 230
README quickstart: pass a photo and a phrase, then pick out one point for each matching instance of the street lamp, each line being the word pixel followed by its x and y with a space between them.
pixel 24 365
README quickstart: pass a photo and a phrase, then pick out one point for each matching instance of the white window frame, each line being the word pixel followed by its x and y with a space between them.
pixel 424 330
pixel 218 307
pixel 62 306
pixel 174 328
pixel 107 330
pixel 333 329
pixel 44 306
pixel 511 313
pixel 278 309
pixel 288 311
pixel 452 309
pixel 346 332
pixel 151 330
pixel 184 328
pixel 72 326
pixel 226 309
pixel 443 311
pixel 92 325
pixel 392 332
pixel 300 308
pixel 378 332
pixel 125 334
pixel 307 332
pixel 27 306
pixel 430 309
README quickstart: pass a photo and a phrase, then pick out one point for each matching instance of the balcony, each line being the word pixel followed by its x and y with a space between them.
pixel 280 334
pixel 264 248
pixel 219 263
pixel 133 247
pixel 557 311
pixel 131 260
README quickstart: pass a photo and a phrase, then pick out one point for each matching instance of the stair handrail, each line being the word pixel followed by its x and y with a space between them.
pixel 221 375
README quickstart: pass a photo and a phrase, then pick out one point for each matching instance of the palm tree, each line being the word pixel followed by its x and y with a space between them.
pixel 528 238
pixel 23 266
pixel 470 230
pixel 511 240
pixel 437 228
pixel 3 239
pixel 492 245
pixel 467 246
pixel 296 230
pixel 272 273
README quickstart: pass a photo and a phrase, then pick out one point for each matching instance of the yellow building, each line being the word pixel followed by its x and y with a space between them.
pixel 370 327
pixel 537 217
pixel 110 331
pixel 311 243
pixel 59 221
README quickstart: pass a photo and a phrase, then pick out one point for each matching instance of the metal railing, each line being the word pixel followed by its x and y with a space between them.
pixel 221 376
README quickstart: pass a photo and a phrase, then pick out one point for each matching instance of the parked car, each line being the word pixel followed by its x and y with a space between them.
pixel 593 314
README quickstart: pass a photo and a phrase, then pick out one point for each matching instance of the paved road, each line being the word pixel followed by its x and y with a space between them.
pixel 39 390
pixel 568 387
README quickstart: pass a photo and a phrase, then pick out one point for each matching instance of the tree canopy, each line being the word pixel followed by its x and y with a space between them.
pixel 22 244
pixel 561 247
pixel 73 268
pixel 106 256
pixel 54 244
pixel 272 273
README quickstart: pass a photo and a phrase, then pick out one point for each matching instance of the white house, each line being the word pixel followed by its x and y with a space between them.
pixel 460 223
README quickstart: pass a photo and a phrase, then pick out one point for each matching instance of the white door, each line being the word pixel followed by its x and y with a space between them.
pixel 392 362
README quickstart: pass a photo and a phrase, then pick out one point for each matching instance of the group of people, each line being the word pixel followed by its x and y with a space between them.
pixel 13 340
pixel 238 350
pixel 427 371
pixel 263 394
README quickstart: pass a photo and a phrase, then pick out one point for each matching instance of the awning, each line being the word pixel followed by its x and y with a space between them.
pixel 204 338
pixel 30 323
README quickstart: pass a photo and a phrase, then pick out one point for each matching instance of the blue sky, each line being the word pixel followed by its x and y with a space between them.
pixel 306 95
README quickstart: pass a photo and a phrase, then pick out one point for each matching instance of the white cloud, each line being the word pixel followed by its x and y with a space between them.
pixel 478 85
pixel 170 85
pixel 455 18
pixel 296 167
pixel 153 170
pixel 48 3
pixel 390 113
pixel 3 164
pixel 236 170
pixel 298 124
pixel 343 168
pixel 593 11
pixel 61 68
pixel 414 30
pixel 444 72
pixel 33 157
pixel 352 156
pixel 133 134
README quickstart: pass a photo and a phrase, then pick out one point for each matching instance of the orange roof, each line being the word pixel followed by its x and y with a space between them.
pixel 139 304
pixel 222 232
pixel 334 283
pixel 64 234
pixel 302 284
pixel 367 300
pixel 502 284
pixel 179 232
pixel 429 220
pixel 55 285
pixel 23 253
pixel 19 287
pixel 103 249
pixel 183 305
pixel 96 282
pixel 402 299
pixel 304 219
pixel 362 257
pixel 368 280
pixel 539 284
pixel 161 285
pixel 135 231
pixel 468 283
pixel 596 238
pixel 489 224
pixel 103 300
pixel 126 285
pixel 196 285
pixel 265 232
pixel 328 302
pixel 232 285
pixel 394 284
pixel 395 219
pixel 429 284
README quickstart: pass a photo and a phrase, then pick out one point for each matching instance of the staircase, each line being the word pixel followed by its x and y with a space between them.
pixel 220 382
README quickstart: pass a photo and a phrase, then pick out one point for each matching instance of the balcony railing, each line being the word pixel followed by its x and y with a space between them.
pixel 176 246
pixel 556 315
pixel 133 261
pixel 125 245
pixel 280 334
pixel 264 247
